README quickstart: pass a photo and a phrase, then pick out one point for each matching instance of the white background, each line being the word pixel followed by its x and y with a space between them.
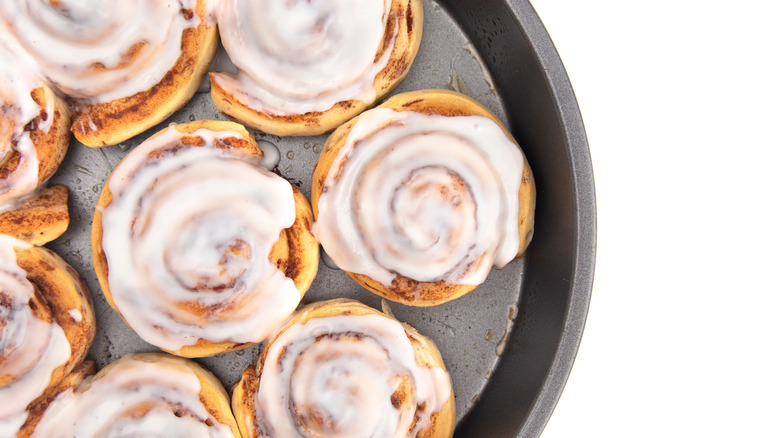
pixel 681 103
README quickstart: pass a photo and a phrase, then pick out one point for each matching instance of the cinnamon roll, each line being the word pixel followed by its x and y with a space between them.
pixel 47 324
pixel 418 198
pixel 145 394
pixel 307 67
pixel 38 218
pixel 34 124
pixel 341 369
pixel 126 66
pixel 197 247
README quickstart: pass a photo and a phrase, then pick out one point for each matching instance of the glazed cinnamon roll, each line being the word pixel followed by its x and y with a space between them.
pixel 307 67
pixel 125 66
pixel 341 369
pixel 418 198
pixel 34 124
pixel 146 394
pixel 47 325
pixel 197 247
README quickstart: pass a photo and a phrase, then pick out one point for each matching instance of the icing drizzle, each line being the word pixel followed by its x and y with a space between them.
pixel 101 50
pixel 430 197
pixel 337 376
pixel 17 110
pixel 134 398
pixel 187 237
pixel 303 56
pixel 31 347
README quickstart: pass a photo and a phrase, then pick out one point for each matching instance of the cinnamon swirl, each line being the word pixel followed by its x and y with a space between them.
pixel 146 394
pixel 34 124
pixel 307 67
pixel 197 247
pixel 125 66
pixel 341 369
pixel 437 193
pixel 47 325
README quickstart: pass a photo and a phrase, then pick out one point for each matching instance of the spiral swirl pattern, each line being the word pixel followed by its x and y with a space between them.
pixel 18 156
pixel 187 237
pixel 101 50
pixel 303 56
pixel 432 198
pixel 136 396
pixel 346 375
pixel 32 344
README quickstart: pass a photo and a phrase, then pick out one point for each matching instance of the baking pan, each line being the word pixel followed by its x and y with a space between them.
pixel 510 344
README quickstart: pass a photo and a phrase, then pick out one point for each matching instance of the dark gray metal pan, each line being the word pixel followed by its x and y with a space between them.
pixel 510 344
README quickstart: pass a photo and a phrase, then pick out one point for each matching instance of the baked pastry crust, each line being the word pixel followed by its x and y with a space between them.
pixel 39 218
pixel 49 132
pixel 111 120
pixel 403 33
pixel 211 395
pixel 110 123
pixel 59 298
pixel 441 422
pixel 432 102
pixel 295 253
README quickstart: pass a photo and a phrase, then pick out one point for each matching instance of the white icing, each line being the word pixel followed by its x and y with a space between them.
pixel 30 348
pixel 75 315
pixel 347 378
pixel 195 228
pixel 271 155
pixel 69 38
pixel 428 197
pixel 158 390
pixel 302 56
pixel 17 109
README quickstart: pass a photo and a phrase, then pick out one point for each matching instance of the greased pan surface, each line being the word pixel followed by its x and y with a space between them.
pixel 510 344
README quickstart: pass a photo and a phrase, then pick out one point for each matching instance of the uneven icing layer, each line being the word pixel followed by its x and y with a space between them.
pixel 428 197
pixel 338 376
pixel 187 238
pixel 17 110
pixel 32 345
pixel 101 50
pixel 299 56
pixel 134 398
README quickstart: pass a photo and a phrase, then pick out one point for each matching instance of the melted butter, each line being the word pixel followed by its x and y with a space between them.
pixel 30 348
pixel 299 56
pixel 324 369
pixel 425 196
pixel 197 227
pixel 164 390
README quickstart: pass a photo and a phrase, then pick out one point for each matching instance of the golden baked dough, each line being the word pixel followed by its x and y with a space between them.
pixel 34 131
pixel 148 393
pixel 285 85
pixel 117 85
pixel 451 194
pixel 394 377
pixel 188 220
pixel 47 325
pixel 39 218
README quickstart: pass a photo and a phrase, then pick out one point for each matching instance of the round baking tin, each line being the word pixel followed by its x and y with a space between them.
pixel 510 344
